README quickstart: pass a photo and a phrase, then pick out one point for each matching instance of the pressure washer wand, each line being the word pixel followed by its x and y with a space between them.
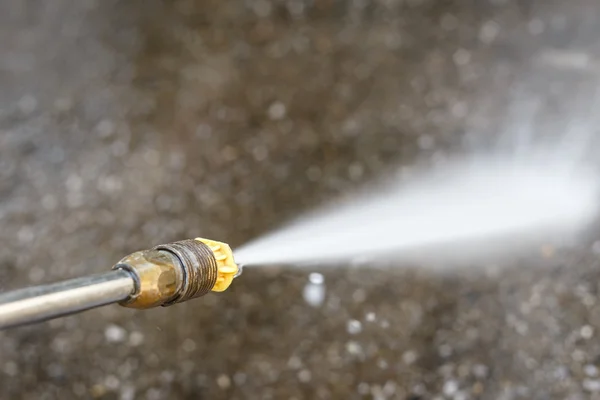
pixel 165 275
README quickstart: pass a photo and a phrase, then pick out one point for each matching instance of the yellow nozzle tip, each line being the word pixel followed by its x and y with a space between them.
pixel 227 268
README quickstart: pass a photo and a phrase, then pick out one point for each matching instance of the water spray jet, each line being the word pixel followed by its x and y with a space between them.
pixel 461 204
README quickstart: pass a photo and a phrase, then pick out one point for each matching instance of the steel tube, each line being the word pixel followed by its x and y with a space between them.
pixel 49 301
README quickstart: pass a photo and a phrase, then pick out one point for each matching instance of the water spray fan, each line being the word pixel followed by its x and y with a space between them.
pixel 162 276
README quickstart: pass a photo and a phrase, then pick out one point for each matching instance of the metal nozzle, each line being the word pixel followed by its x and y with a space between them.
pixel 167 274
pixel 170 273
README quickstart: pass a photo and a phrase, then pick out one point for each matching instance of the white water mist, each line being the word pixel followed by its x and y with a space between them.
pixel 476 200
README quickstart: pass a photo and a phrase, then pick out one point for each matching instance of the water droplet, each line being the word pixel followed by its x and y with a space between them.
pixel 354 327
pixel 591 385
pixel 316 278
pixel 354 348
pixel 314 295
pixel 223 381
pixel 112 382
pixel 277 111
pixel 480 371
pixel 260 152
pixel 304 376
pixel 591 370
pixel 363 388
pixel 389 389
pixel 105 128
pixel 188 345
pixel 586 332
pixel 127 393
pixel 450 387
pixel 489 32
pixel 409 357
pixel 461 57
pixel 115 334
pixel 294 362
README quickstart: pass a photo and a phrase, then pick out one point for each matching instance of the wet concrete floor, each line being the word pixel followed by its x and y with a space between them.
pixel 124 124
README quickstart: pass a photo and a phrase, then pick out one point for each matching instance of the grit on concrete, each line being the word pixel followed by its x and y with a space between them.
pixel 124 124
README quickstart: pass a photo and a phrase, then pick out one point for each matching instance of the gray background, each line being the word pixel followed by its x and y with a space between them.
pixel 124 124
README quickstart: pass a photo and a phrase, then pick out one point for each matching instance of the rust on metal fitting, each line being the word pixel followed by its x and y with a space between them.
pixel 199 268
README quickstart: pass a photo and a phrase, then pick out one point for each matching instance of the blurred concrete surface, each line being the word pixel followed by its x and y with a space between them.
pixel 124 124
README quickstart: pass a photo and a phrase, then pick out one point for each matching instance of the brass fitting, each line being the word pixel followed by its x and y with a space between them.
pixel 176 272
